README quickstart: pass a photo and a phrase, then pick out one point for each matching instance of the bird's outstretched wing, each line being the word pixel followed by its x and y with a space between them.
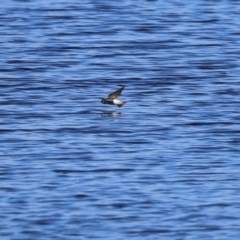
pixel 115 94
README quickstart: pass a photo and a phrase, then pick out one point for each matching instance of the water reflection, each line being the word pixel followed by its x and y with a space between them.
pixel 111 114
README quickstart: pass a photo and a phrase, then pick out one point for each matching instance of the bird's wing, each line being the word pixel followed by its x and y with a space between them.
pixel 115 94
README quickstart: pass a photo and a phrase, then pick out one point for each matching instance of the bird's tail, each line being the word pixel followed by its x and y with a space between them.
pixel 121 104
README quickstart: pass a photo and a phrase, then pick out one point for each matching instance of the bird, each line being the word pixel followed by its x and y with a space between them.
pixel 112 98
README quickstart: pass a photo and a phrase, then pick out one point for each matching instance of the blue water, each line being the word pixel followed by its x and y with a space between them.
pixel 165 165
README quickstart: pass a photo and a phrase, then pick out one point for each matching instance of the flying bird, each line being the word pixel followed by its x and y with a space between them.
pixel 112 98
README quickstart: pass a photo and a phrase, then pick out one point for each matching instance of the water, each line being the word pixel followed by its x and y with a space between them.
pixel 165 165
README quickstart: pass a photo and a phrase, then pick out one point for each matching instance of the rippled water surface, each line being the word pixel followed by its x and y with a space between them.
pixel 165 165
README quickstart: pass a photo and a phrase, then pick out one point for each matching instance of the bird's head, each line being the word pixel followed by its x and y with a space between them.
pixel 103 101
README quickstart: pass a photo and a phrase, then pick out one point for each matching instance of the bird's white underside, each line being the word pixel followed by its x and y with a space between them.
pixel 116 101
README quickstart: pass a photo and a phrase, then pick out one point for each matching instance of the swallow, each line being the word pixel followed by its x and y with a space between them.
pixel 112 98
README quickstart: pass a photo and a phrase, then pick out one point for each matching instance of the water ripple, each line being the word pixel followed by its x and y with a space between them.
pixel 165 165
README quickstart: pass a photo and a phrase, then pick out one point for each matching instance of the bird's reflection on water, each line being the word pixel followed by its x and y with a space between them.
pixel 111 114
